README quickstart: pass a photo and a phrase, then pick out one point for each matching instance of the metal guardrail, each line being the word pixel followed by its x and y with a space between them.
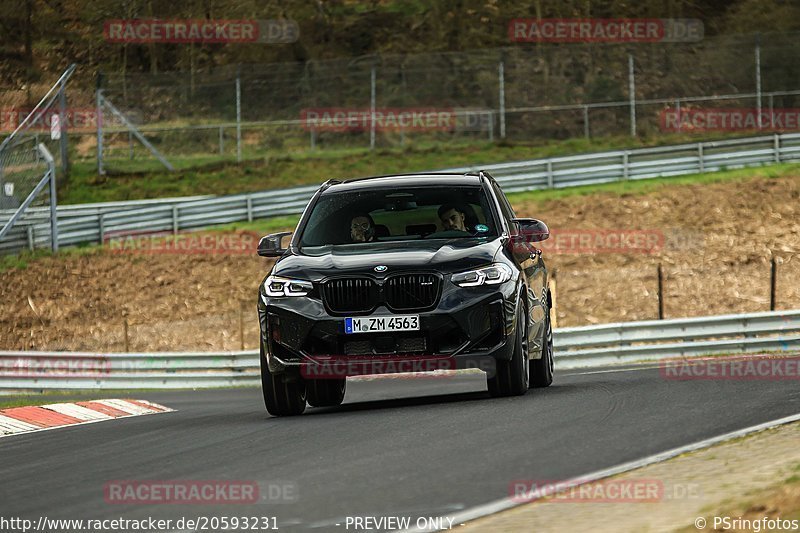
pixel 94 223
pixel 585 346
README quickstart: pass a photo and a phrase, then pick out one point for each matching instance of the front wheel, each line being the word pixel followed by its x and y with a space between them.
pixel 542 369
pixel 325 392
pixel 284 393
pixel 511 377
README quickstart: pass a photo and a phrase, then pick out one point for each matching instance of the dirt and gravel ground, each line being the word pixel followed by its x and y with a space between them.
pixel 734 480
pixel 714 241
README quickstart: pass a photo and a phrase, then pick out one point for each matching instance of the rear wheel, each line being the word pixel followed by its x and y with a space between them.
pixel 284 393
pixel 511 377
pixel 542 369
pixel 325 392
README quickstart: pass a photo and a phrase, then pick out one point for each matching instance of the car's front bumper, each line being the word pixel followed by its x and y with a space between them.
pixel 469 327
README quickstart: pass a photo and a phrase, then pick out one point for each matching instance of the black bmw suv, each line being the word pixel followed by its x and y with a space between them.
pixel 404 273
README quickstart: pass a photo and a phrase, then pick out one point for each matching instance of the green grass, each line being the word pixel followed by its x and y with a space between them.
pixel 215 174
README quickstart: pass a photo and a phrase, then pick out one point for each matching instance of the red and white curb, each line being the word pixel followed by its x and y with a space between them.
pixel 15 420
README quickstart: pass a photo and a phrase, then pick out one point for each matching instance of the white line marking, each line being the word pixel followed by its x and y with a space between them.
pixel 507 503
pixel 30 428
pixel 610 371
pixel 77 411
pixel 12 425
pixel 127 407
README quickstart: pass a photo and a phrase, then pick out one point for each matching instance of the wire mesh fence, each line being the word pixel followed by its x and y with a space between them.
pixel 524 93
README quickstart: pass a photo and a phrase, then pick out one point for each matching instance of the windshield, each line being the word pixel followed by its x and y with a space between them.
pixel 399 214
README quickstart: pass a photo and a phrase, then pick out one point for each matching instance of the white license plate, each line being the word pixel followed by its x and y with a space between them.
pixel 376 324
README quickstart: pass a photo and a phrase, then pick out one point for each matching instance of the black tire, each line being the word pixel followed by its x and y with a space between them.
pixel 284 393
pixel 511 377
pixel 325 392
pixel 542 369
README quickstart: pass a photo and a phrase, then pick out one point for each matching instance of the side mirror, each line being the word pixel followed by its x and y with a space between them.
pixel 530 230
pixel 270 246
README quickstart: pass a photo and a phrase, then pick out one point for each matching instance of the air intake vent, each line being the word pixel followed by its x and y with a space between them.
pixel 409 292
pixel 350 295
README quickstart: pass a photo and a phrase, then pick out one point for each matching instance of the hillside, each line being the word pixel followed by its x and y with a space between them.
pixel 719 237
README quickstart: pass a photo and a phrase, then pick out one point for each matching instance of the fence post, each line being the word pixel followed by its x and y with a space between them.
pixel 241 325
pixel 125 333
pixel 678 112
pixel 632 94
pixel 99 118
pixel 62 124
pixel 549 174
pixel 221 142
pixel 772 283
pixel 586 121
pixel 238 118
pixel 758 79
pixel 501 80
pixel 31 241
pixel 249 208
pixel 174 219
pixel 101 226
pixel 372 109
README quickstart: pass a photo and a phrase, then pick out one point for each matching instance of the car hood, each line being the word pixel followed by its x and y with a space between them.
pixel 452 255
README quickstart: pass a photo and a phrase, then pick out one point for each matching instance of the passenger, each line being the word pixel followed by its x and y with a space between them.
pixel 362 228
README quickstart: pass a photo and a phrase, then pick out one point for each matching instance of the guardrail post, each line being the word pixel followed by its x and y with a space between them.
pixel 174 219
pixel 101 225
pixel 30 238
pixel 249 208
pixel 549 174
pixel 221 142
pixel 777 148
pixel 700 158
pixel 625 165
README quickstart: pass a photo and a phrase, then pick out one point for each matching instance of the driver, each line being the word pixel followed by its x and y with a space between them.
pixel 453 217
pixel 362 228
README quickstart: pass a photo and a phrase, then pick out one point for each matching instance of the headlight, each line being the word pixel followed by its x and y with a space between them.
pixel 491 275
pixel 276 286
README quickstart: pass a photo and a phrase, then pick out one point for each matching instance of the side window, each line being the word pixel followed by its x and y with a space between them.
pixel 505 207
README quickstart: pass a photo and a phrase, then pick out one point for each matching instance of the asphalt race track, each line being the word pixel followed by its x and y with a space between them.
pixel 398 447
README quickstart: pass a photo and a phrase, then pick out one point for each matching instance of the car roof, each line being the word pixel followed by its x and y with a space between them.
pixel 406 180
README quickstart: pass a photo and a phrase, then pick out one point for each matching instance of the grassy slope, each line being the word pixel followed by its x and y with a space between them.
pixel 214 175
pixel 274 224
